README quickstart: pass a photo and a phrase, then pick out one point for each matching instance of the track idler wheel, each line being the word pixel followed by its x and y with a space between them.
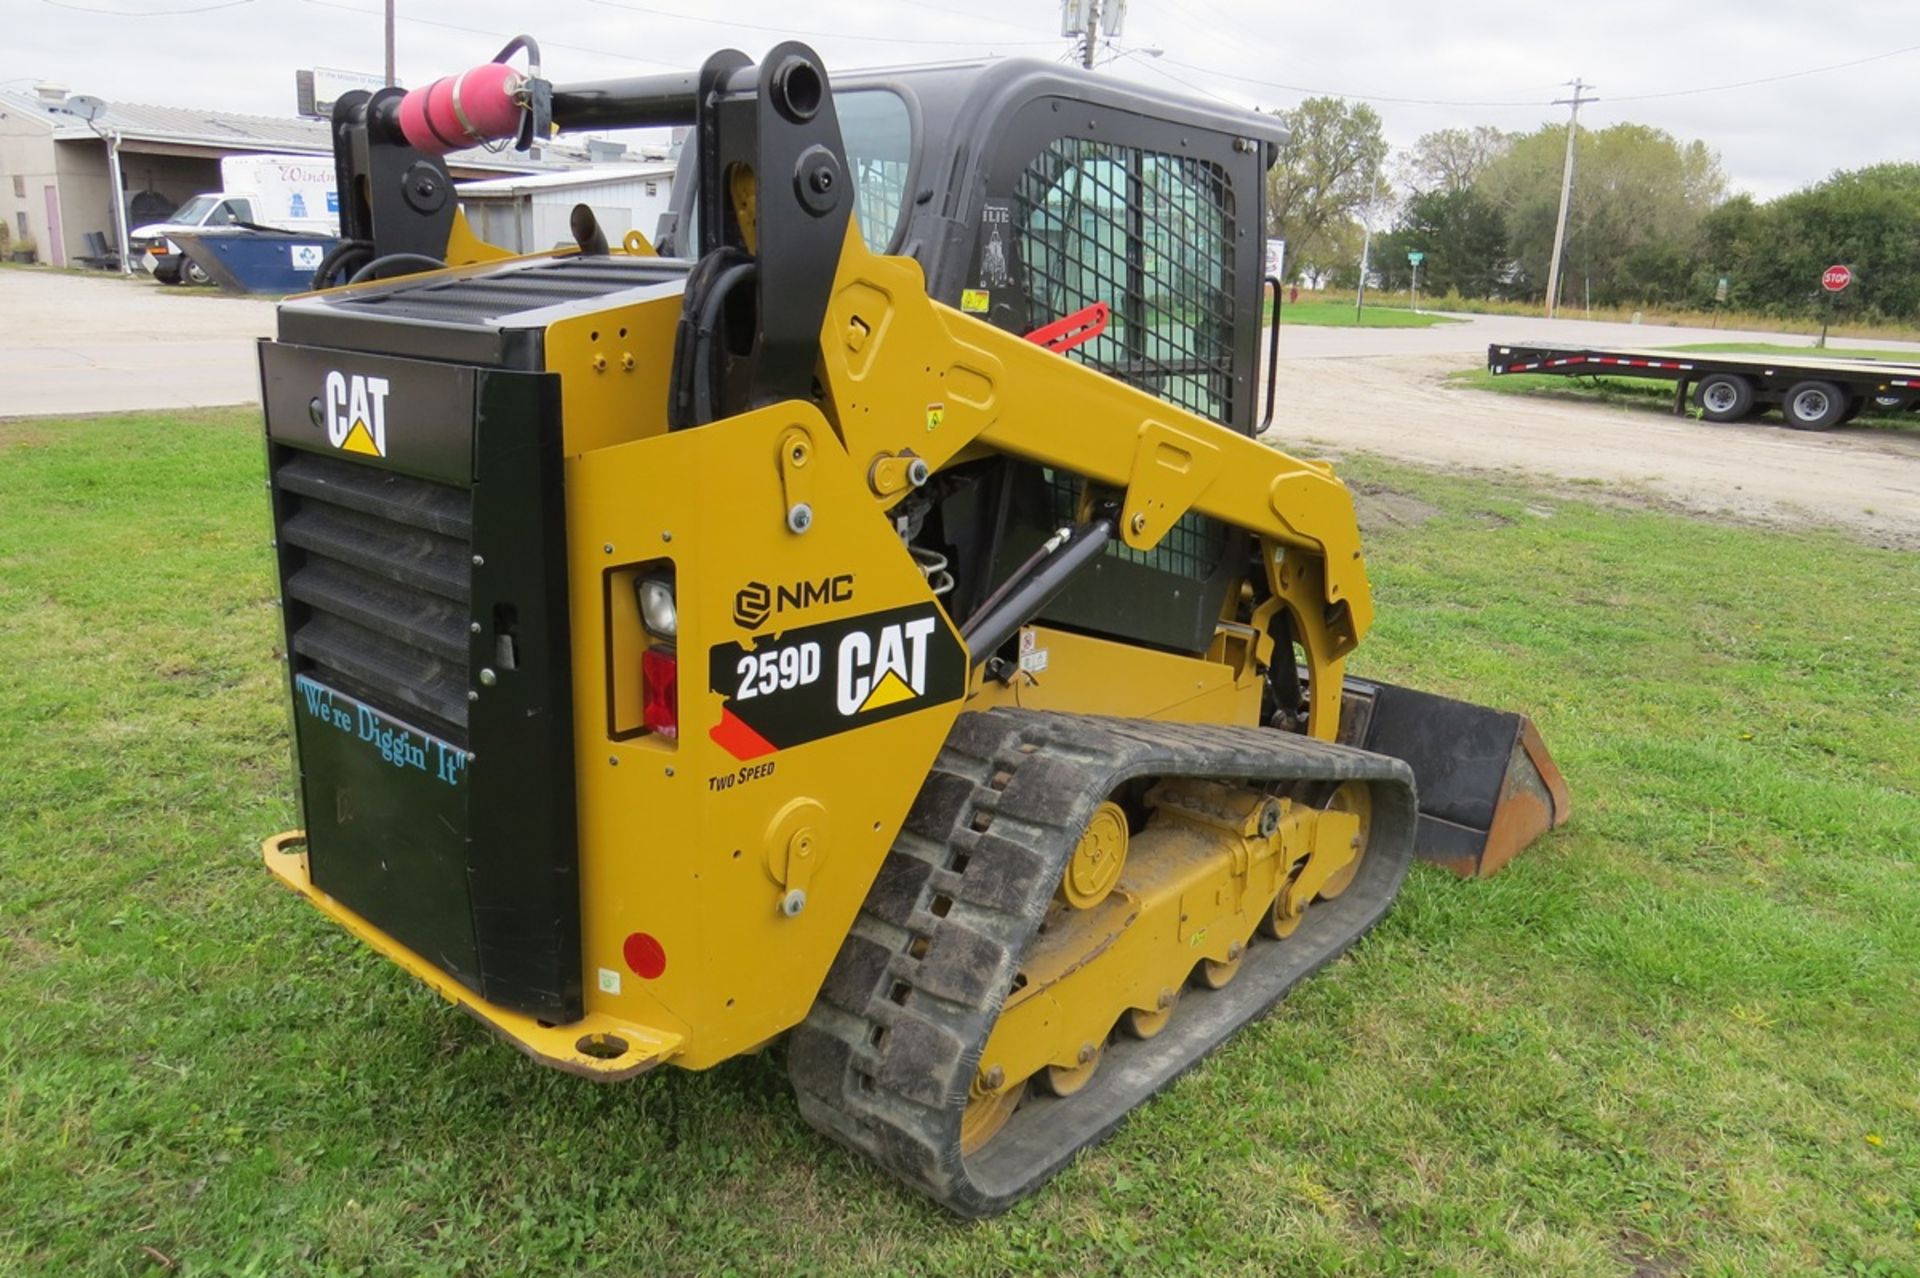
pixel 1097 859
pixel 1354 797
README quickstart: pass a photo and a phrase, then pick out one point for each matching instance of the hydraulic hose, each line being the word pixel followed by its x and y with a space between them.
pixel 418 261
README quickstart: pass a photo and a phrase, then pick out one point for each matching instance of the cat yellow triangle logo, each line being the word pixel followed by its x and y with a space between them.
pixel 890 691
pixel 359 440
pixel 357 413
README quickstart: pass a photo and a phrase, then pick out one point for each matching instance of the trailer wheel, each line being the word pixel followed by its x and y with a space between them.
pixel 1814 405
pixel 1724 397
pixel 1895 403
pixel 168 269
pixel 191 272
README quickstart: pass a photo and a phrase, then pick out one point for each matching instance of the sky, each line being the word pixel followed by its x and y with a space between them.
pixel 1424 65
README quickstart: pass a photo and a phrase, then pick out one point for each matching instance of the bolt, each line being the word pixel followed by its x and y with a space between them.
pixel 1139 524
pixel 479 561
pixel 626 360
pixel 599 363
pixel 488 678
pixel 822 180
pixel 1235 950
pixel 1269 818
pixel 607 548
pixel 613 761
pixel 793 902
pixel 917 472
pixel 473 627
pixel 666 535
pixel 669 771
pixel 994 1079
pixel 1165 1000
pixel 800 517
pixel 472 695
pixel 1086 1053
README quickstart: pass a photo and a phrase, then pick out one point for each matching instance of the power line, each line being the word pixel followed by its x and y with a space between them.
pixel 146 13
pixel 1153 66
pixel 1766 79
pixel 975 17
pixel 493 35
pixel 1335 93
pixel 797 31
pixel 1629 97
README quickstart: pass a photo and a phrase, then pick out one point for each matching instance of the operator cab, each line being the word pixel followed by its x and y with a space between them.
pixel 1029 192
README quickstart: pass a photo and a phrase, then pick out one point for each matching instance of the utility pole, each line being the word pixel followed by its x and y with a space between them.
pixel 1093 34
pixel 391 81
pixel 1366 240
pixel 1566 191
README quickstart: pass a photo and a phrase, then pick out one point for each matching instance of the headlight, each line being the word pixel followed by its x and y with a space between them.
pixel 657 610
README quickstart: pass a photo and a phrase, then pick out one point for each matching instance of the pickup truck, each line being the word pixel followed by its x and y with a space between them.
pixel 282 192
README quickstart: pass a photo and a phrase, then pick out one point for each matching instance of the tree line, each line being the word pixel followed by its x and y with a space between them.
pixel 1651 222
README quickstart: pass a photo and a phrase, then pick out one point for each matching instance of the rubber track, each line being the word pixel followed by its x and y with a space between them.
pixel 884 1060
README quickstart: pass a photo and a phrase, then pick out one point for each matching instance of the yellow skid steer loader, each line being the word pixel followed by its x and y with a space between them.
pixel 1012 766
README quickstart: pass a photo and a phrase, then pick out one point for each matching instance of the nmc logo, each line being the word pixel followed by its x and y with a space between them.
pixel 357 413
pixel 754 602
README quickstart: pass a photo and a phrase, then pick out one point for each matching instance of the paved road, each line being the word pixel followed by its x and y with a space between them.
pixel 1865 480
pixel 73 343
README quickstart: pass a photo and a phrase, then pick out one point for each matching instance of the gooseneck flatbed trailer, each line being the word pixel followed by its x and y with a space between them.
pixel 1812 392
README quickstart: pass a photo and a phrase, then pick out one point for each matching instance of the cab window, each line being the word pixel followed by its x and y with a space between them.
pixel 878 135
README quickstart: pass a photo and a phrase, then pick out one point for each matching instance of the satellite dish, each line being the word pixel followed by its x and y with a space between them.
pixel 87 108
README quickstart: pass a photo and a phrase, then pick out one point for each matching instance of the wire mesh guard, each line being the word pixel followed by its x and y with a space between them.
pixel 880 187
pixel 1151 235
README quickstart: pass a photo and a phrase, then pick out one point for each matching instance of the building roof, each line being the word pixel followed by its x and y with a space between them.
pixel 136 121
pixel 235 131
pixel 572 177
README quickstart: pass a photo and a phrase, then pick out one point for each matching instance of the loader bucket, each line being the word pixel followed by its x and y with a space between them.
pixel 1487 785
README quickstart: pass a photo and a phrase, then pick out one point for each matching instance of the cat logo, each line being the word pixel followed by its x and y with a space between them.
pixel 815 681
pixel 884 669
pixel 357 413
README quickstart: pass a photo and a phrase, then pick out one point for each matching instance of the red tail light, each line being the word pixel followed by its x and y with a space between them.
pixel 660 691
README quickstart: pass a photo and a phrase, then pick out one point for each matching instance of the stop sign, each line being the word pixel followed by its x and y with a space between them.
pixel 1835 278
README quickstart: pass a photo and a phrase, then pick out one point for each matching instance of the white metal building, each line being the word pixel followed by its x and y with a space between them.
pixel 530 214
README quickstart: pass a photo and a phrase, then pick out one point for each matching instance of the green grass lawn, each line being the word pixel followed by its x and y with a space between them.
pixel 1336 314
pixel 1678 1037
pixel 1805 349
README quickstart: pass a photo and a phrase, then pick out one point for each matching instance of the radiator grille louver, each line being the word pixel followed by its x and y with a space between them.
pixel 382 586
